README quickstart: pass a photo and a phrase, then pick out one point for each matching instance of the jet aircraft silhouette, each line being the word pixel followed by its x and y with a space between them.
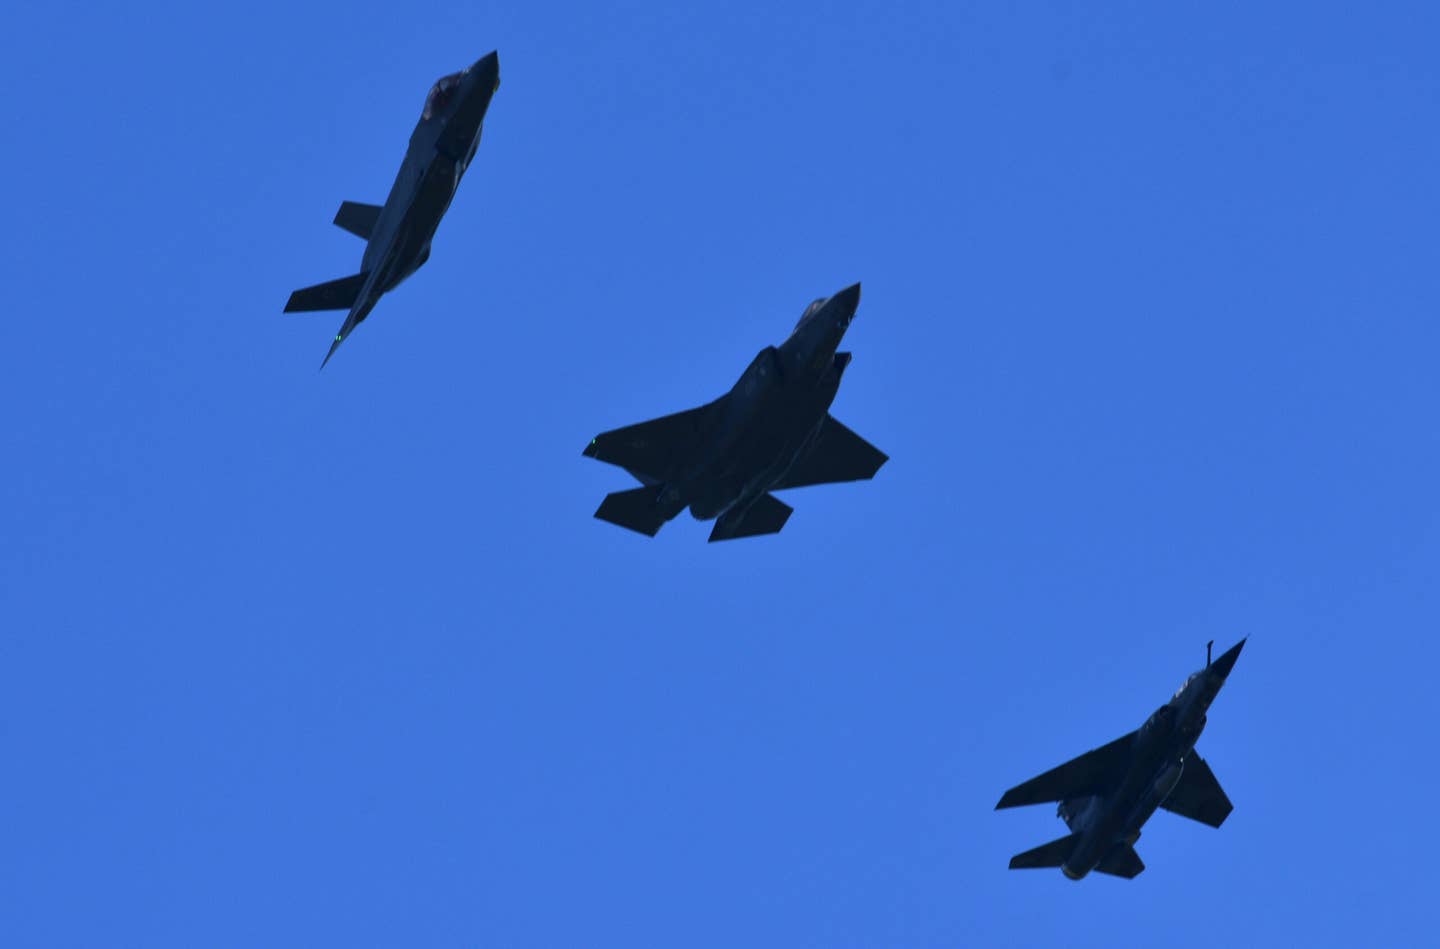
pixel 772 431
pixel 1107 794
pixel 398 234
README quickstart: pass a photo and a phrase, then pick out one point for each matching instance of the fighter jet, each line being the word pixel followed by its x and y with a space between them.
pixel 1106 795
pixel 398 234
pixel 772 431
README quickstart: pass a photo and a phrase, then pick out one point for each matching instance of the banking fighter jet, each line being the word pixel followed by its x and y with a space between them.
pixel 398 233
pixel 1106 795
pixel 772 431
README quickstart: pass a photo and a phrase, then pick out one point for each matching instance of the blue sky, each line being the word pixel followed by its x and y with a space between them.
pixel 300 658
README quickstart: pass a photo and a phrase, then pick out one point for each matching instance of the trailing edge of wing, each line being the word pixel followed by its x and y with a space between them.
pixel 837 454
pixel 1199 796
pixel 653 450
pixel 1094 771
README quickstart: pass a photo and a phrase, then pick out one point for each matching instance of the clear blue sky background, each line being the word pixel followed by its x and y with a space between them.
pixel 1149 330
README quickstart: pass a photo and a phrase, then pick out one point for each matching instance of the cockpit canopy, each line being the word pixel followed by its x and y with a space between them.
pixel 441 93
pixel 809 312
pixel 1186 684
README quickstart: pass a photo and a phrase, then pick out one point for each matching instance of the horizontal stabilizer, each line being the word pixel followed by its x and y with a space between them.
pixel 635 509
pixel 1123 861
pixel 334 295
pixel 359 219
pixel 1052 854
pixel 1094 772
pixel 765 516
pixel 1198 795
pixel 837 454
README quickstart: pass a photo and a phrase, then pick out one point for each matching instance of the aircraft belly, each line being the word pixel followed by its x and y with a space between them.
pixel 741 476
pixel 762 455
pixel 1154 794
pixel 1087 854
pixel 432 200
pixel 710 498
pixel 410 236
pixel 435 191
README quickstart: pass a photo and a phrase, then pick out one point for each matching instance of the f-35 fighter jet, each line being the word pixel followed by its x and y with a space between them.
pixel 772 431
pixel 398 234
pixel 1106 795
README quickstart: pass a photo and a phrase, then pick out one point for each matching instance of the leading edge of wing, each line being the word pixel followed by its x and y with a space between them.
pixel 653 450
pixel 1092 772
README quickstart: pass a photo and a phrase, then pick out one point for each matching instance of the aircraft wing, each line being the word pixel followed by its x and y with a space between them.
pixel 1093 772
pixel 653 451
pixel 1199 796
pixel 837 454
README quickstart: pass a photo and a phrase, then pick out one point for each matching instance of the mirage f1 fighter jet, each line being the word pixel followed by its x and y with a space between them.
pixel 1106 795
pixel 398 234
pixel 772 431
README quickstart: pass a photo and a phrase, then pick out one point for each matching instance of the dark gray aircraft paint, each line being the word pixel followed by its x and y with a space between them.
pixel 398 234
pixel 772 431
pixel 1106 795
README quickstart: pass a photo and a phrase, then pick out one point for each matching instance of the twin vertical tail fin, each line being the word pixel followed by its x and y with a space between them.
pixel 345 293
pixel 359 219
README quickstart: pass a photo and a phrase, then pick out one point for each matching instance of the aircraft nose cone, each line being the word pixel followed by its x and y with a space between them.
pixel 1226 662
pixel 848 299
pixel 489 63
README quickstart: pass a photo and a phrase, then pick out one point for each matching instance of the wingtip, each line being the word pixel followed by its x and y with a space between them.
pixel 333 346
